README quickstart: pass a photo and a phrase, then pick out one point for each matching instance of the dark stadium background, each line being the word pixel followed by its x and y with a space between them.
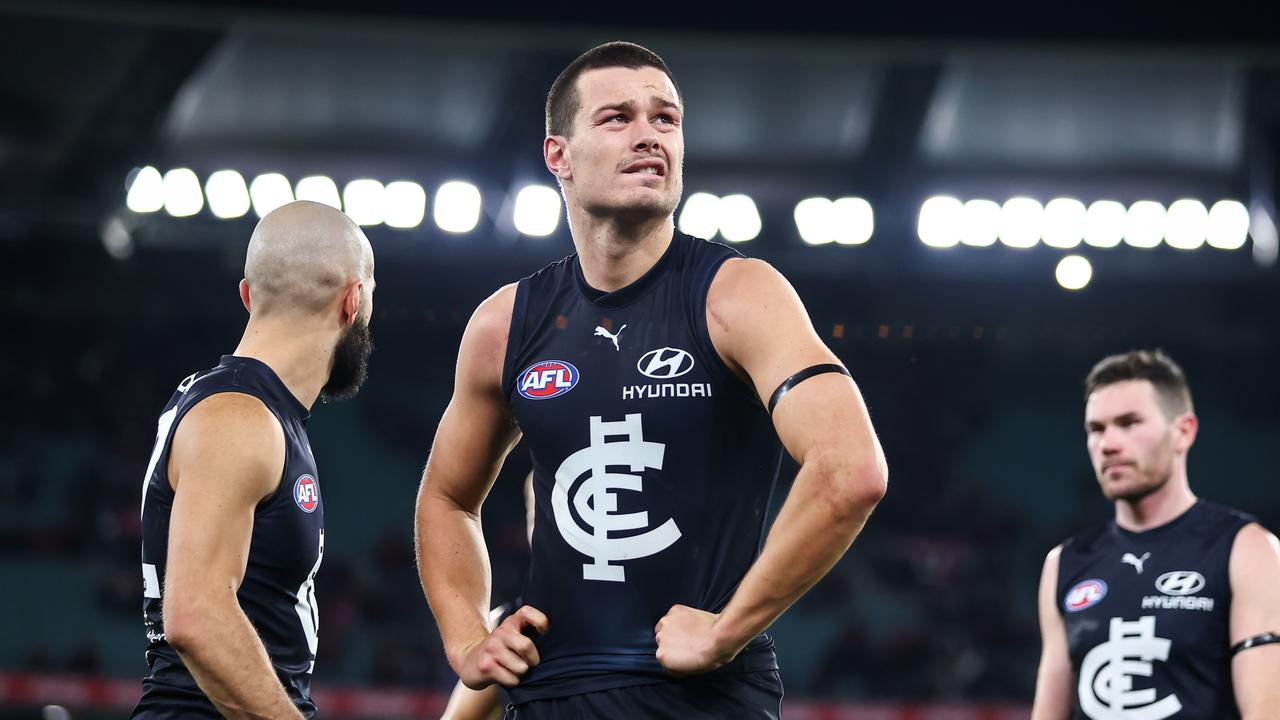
pixel 971 358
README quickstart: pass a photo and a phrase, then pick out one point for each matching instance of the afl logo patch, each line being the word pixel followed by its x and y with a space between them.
pixel 547 379
pixel 306 493
pixel 1085 595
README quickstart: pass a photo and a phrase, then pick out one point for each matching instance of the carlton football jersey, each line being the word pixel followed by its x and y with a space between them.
pixel 653 466
pixel 278 591
pixel 1147 617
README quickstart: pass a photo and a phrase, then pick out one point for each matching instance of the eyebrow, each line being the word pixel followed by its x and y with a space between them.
pixel 630 105
pixel 1131 415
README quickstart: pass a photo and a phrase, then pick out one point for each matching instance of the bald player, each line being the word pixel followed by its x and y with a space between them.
pixel 232 515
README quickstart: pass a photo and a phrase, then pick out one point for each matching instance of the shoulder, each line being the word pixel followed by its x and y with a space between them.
pixel 1052 559
pixel 231 415
pixel 1255 545
pixel 742 275
pixel 484 342
pixel 746 290
pixel 231 433
pixel 493 316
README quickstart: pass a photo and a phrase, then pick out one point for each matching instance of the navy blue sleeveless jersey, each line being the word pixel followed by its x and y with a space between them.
pixel 278 591
pixel 653 466
pixel 1147 617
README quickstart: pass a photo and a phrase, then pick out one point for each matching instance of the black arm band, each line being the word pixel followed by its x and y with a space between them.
pixel 1263 639
pixel 800 377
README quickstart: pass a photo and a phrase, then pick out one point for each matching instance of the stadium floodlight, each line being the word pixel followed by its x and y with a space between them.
pixel 1104 223
pixel 228 195
pixel 1228 225
pixel 700 216
pixel 1064 223
pixel 815 220
pixel 1074 272
pixel 1186 225
pixel 1144 224
pixel 404 204
pixel 146 192
pixel 182 195
pixel 739 218
pixel 318 188
pixel 268 192
pixel 537 211
pixel 364 201
pixel 457 207
pixel 980 223
pixel 855 221
pixel 1021 221
pixel 939 222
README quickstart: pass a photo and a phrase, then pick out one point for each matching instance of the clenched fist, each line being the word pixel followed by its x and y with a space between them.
pixel 687 644
pixel 505 654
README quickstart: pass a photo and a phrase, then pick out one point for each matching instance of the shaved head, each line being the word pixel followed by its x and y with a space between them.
pixel 302 255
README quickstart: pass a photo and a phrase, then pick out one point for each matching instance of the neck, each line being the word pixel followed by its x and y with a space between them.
pixel 614 252
pixel 1162 506
pixel 298 350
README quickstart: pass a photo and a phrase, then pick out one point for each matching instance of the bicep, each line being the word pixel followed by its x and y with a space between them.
pixel 1255 585
pixel 761 327
pixel 474 436
pixel 1053 678
pixel 477 429
pixel 228 454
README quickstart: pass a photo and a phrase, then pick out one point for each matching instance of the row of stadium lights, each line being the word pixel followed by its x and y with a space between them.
pixel 399 204
pixel 1065 223
pixel 457 205
pixel 944 221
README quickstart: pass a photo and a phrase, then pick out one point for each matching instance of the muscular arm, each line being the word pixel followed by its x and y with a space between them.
pixel 1255 609
pixel 227 455
pixel 760 328
pixel 474 436
pixel 1053 681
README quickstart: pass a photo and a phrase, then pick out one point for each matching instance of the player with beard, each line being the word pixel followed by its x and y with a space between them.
pixel 1172 609
pixel 232 515
pixel 656 379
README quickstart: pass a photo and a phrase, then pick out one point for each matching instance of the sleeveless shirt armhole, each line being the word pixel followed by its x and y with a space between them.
pixel 718 364
pixel 515 337
pixel 274 496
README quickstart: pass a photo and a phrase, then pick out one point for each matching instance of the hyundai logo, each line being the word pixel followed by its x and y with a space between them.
pixel 665 363
pixel 1180 582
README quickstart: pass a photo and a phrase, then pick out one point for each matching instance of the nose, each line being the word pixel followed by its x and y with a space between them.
pixel 1109 443
pixel 646 139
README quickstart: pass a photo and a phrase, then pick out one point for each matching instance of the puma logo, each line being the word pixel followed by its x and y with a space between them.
pixel 1136 562
pixel 601 332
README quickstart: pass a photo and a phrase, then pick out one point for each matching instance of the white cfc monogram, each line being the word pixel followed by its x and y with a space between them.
pixel 596 498
pixel 1106 675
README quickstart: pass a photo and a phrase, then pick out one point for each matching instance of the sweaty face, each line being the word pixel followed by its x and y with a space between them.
pixel 1131 441
pixel 626 154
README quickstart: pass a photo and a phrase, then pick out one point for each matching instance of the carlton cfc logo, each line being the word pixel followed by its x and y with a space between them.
pixel 547 379
pixel 306 493
pixel 1085 595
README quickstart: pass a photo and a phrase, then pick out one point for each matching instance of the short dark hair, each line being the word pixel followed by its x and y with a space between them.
pixel 563 99
pixel 1153 366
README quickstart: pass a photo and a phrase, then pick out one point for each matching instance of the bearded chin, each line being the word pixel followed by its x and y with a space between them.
pixel 1152 481
pixel 350 363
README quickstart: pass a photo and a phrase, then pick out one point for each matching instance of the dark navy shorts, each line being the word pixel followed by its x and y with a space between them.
pixel 748 696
